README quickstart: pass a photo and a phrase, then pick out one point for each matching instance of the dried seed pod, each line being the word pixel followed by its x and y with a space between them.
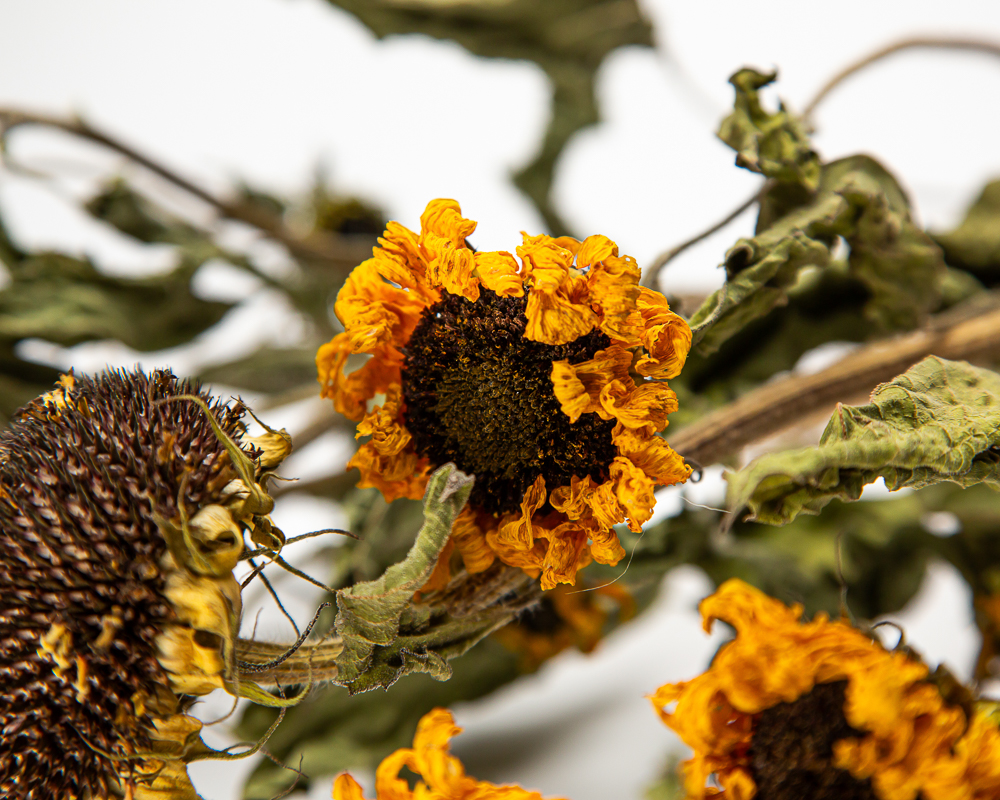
pixel 117 599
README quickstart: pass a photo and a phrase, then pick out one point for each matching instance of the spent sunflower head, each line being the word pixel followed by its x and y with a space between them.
pixel 542 374
pixel 122 512
pixel 793 709
pixel 442 776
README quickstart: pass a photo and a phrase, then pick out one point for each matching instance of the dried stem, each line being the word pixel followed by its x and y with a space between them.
pixel 652 272
pixel 317 245
pixel 929 42
pixel 314 662
pixel 970 332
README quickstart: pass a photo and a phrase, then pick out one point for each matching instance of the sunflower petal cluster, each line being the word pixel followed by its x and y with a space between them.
pixel 910 742
pixel 562 454
pixel 442 776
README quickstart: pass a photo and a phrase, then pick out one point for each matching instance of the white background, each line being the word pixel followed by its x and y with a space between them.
pixel 265 90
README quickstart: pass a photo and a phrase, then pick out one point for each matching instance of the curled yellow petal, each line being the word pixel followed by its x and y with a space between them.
pixel 578 387
pixel 499 272
pixel 665 337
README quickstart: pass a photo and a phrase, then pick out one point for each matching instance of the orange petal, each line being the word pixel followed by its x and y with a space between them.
pixel 346 788
pixel 652 455
pixel 352 392
pixel 453 271
pixel 469 537
pixel 498 271
pixel 384 424
pixel 666 337
pixel 516 533
pixel 402 475
pixel 578 387
pixel 554 319
pixel 645 406
pixel 375 312
pixel 566 554
pixel 572 500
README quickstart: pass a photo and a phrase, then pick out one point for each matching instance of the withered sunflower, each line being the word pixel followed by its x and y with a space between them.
pixel 820 709
pixel 441 775
pixel 544 375
pixel 122 512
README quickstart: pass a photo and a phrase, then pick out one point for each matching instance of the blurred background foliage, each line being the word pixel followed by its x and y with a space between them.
pixel 837 256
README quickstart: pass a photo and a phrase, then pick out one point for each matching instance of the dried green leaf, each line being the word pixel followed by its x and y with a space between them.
pixel 975 244
pixel 369 614
pixel 774 144
pixel 67 301
pixel 939 421
pixel 898 264
pixel 567 38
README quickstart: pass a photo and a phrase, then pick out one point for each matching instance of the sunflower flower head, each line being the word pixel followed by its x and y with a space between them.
pixel 121 519
pixel 793 709
pixel 543 373
pixel 442 776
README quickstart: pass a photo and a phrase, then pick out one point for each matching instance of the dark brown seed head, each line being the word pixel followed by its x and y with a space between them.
pixel 792 750
pixel 84 472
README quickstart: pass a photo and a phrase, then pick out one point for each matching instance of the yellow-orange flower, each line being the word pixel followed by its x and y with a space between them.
pixel 442 776
pixel 542 374
pixel 787 702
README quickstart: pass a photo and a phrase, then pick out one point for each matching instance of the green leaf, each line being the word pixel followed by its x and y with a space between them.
pixel 975 244
pixel 774 144
pixel 370 614
pixel 568 39
pixel 939 421
pixel 67 301
pixel 898 264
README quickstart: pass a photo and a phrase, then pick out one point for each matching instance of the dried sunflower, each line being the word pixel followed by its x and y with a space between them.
pixel 542 375
pixel 442 775
pixel 122 511
pixel 821 710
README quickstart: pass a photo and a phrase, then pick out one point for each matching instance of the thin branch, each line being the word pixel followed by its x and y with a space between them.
pixel 970 333
pixel 317 245
pixel 928 42
pixel 652 273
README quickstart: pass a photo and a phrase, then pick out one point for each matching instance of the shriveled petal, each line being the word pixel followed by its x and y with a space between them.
pixel 499 272
pixel 572 500
pixel 578 387
pixel 385 425
pixel 375 312
pixel 554 319
pixel 652 455
pixel 566 554
pixel 453 271
pixel 666 337
pixel 517 533
pixel 346 788
pixel 645 406
pixel 469 536
pixel 402 475
pixel 351 393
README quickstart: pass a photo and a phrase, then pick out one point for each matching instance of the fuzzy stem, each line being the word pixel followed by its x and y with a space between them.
pixel 314 662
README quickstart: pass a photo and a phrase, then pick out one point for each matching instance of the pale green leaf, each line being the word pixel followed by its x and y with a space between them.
pixel 939 421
